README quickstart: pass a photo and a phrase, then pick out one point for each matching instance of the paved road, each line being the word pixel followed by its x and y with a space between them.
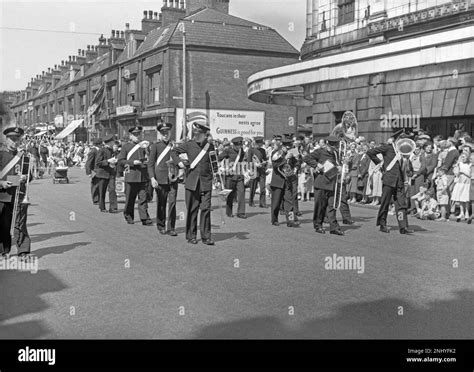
pixel 101 278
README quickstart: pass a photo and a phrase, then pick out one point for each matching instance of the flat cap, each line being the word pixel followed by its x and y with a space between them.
pixel 333 139
pixel 136 129
pixel 109 138
pixel 164 126
pixel 201 125
pixel 237 140
pixel 13 132
pixel 259 139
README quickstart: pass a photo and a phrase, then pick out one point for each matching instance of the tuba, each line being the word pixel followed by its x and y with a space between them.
pixel 405 146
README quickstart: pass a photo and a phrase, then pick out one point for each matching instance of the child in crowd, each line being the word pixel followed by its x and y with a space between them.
pixel 418 199
pixel 429 209
pixel 462 184
pixel 442 193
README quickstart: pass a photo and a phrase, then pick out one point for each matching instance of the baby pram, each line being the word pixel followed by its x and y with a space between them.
pixel 60 172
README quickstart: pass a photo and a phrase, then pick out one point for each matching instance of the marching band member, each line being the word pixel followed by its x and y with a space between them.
pixel 281 187
pixel 393 184
pixel 258 156
pixel 105 165
pixel 295 152
pixel 198 181
pixel 159 174
pixel 133 157
pixel 90 165
pixel 10 160
pixel 324 184
pixel 234 178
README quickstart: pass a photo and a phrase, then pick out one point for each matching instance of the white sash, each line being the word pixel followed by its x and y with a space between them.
pixel 200 156
pixel 9 166
pixel 394 160
pixel 237 159
pixel 163 154
pixel 132 151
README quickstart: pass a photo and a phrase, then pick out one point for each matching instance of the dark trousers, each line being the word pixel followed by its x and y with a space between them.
pixel 400 201
pixel 95 190
pixel 104 186
pixel 282 197
pixel 344 209
pixel 196 200
pixel 294 193
pixel 20 232
pixel 238 188
pixel 324 205
pixel 259 180
pixel 166 194
pixel 132 191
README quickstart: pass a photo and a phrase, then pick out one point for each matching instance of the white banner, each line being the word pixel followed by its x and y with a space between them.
pixel 225 123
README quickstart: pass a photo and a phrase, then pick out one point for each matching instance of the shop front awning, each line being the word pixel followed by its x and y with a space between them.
pixel 289 85
pixel 69 129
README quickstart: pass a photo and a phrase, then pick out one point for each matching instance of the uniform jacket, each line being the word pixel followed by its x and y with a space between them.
pixel 231 155
pixel 7 195
pixel 102 166
pixel 277 179
pixel 394 177
pixel 133 173
pixel 261 154
pixel 160 172
pixel 320 156
pixel 202 173
pixel 90 162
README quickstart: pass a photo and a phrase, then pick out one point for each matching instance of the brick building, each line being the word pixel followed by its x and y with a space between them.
pixel 413 60
pixel 138 74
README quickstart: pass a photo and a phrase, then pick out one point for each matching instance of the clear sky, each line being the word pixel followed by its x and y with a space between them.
pixel 24 54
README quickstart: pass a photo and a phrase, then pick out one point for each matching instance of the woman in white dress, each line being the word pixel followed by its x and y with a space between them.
pixel 374 182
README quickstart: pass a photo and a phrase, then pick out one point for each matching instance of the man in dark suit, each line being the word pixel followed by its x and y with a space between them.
pixel 234 178
pixel 90 171
pixel 327 166
pixel 133 158
pixel 261 171
pixel 10 161
pixel 393 181
pixel 198 181
pixel 166 189
pixel 281 187
pixel 105 164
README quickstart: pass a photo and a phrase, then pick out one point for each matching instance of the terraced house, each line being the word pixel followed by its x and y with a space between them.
pixel 138 74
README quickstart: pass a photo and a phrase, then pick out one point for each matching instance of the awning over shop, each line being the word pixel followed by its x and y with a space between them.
pixel 69 129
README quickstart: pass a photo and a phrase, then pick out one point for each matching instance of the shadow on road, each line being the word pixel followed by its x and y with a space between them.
pixel 58 249
pixel 219 237
pixel 443 319
pixel 36 238
pixel 35 224
pixel 21 295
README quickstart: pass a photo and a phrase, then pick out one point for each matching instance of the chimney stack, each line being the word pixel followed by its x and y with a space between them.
pixel 219 5
pixel 171 12
pixel 102 48
pixel 149 22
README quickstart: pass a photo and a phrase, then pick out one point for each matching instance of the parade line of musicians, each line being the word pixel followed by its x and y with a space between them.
pixel 145 165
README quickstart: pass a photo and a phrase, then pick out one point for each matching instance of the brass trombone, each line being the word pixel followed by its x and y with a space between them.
pixel 26 201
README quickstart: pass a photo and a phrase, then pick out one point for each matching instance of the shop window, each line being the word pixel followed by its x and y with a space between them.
pixel 130 87
pixel 346 11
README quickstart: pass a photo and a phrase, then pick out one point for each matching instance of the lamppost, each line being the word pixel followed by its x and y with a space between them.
pixel 185 127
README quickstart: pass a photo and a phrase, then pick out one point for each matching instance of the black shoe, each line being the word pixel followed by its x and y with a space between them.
pixel 104 211
pixel 162 231
pixel 147 222
pixel 337 232
pixel 208 242
pixel 320 230
pixel 252 205
pixel 243 216
pixel 192 241
pixel 384 229
pixel 469 220
pixel 230 215
pixel 348 222
pixel 406 231
pixel 95 203
pixel 263 206
pixel 173 233
pixel 276 223
pixel 299 214
pixel 292 224
pixel 129 220
pixel 24 256
pixel 113 211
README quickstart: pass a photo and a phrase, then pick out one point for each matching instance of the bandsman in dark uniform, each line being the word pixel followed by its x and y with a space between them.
pixel 10 163
pixel 281 187
pixel 327 165
pixel 105 167
pixel 254 154
pixel 133 158
pixel 393 181
pixel 90 171
pixel 198 181
pixel 159 174
pixel 234 179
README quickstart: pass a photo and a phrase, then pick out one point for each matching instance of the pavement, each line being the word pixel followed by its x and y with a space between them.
pixel 100 278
